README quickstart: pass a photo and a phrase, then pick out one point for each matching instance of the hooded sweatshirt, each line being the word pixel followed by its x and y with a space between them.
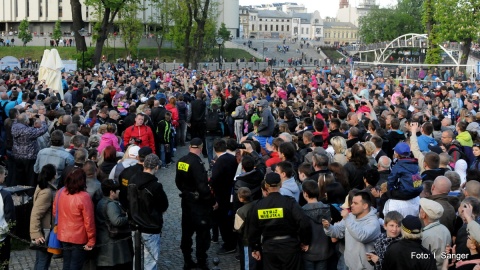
pixel 321 248
pixel 360 235
pixel 107 140
pixel 424 141
pixel 405 178
pixel 465 139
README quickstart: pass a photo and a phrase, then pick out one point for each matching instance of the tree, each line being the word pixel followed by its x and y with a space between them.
pixel 57 31
pixel 223 32
pixel 194 29
pixel 24 33
pixel 386 24
pixel 458 20
pixel 161 23
pixel 77 24
pixel 433 52
pixel 130 27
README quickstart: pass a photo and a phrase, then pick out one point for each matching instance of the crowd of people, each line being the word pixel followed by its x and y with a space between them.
pixel 328 168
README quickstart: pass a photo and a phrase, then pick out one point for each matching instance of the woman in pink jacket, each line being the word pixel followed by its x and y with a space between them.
pixel 109 138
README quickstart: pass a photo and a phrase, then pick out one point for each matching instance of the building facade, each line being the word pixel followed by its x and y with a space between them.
pixel 339 33
pixel 351 14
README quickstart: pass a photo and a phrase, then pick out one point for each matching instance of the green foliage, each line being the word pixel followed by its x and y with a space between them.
pixel 57 31
pixel 223 32
pixel 457 20
pixel 88 58
pixel 24 33
pixel 131 28
pixel 386 24
pixel 160 23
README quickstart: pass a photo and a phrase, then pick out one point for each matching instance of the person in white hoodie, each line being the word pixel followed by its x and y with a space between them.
pixel 360 228
pixel 129 159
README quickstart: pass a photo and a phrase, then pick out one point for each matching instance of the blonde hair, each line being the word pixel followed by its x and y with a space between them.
pixel 369 148
pixel 339 144
pixel 348 154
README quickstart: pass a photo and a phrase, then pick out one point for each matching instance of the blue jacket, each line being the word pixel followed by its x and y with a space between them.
pixel 424 141
pixel 405 177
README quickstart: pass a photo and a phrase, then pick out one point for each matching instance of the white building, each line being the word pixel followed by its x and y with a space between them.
pixel 350 14
pixel 42 15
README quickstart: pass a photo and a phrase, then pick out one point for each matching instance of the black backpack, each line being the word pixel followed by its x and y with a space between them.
pixel 462 153
pixel 213 121
pixel 142 211
pixel 3 113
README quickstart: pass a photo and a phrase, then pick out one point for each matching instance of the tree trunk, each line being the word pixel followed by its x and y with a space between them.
pixel 102 36
pixel 77 25
pixel 200 33
pixel 465 53
pixel 187 48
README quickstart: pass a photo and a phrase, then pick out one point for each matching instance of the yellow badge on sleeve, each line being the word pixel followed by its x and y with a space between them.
pixel 270 213
pixel 182 166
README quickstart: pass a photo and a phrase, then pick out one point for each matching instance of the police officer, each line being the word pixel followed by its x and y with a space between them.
pixel 278 228
pixel 197 205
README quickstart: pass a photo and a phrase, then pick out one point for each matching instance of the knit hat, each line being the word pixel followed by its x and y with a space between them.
pixel 411 224
pixel 144 151
pixel 151 162
pixel 433 209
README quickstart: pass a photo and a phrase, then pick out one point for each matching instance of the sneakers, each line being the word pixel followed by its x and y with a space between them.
pixel 223 251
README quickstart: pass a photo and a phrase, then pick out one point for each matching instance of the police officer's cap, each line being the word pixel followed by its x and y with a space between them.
pixel 196 143
pixel 272 179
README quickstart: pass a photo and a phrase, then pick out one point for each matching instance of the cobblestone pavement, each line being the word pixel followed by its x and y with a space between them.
pixel 171 255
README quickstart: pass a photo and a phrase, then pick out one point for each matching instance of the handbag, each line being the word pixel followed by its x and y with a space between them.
pixel 54 245
pixel 115 232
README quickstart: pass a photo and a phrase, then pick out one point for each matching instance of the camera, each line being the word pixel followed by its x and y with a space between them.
pixel 137 140
pixel 241 146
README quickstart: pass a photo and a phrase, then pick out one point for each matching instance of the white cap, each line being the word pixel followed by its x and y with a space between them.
pixel 133 151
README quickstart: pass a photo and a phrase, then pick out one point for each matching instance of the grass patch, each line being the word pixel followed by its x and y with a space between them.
pixel 167 54
pixel 332 54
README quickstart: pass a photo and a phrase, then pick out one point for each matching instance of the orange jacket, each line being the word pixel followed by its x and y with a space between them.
pixel 76 218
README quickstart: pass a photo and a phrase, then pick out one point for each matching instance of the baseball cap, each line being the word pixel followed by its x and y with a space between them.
pixel 144 151
pixel 402 149
pixel 272 179
pixel 196 143
pixel 411 224
pixel 133 151
pixel 151 161
pixel 435 148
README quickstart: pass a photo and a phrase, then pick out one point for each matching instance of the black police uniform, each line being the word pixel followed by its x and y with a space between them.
pixel 197 201
pixel 277 227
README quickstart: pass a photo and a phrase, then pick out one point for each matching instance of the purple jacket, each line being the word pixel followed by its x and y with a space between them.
pixel 25 140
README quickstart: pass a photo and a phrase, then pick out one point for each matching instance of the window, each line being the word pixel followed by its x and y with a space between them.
pixel 60 11
pixel 276 27
pixel 28 8
pixel 271 28
pixel 316 20
pixel 307 31
pixel 260 27
pixel 302 30
pixel 334 34
pixel 266 27
pixel 283 20
pixel 288 20
pixel 277 20
pixel 253 27
pixel 288 28
pixel 283 28
pixel 260 19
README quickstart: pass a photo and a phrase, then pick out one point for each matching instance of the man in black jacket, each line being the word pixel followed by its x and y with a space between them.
pixel 223 174
pixel 277 227
pixel 197 118
pixel 158 204
pixel 127 174
pixel 197 202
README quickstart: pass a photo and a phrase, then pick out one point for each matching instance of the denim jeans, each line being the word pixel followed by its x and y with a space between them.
pixel 74 256
pixel 42 260
pixel 181 132
pixel 209 141
pixel 151 251
pixel 164 156
pixel 239 129
pixel 315 265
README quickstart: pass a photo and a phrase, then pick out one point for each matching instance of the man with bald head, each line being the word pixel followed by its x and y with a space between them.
pixel 472 189
pixel 353 121
pixel 440 189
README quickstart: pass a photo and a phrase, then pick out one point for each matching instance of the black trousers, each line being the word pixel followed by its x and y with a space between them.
pixel 225 224
pixel 5 253
pixel 195 219
pixel 24 172
pixel 282 261
pixel 198 130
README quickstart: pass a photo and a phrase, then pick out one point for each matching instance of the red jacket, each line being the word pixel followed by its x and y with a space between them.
pixel 173 109
pixel 76 218
pixel 140 132
pixel 274 159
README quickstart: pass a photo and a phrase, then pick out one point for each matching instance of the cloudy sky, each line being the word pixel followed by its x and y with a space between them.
pixel 327 8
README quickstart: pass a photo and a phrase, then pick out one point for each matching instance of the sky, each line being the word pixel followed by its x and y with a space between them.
pixel 327 8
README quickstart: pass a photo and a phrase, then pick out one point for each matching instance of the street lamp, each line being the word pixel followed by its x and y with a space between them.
pixel 114 39
pixel 219 41
pixel 83 33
